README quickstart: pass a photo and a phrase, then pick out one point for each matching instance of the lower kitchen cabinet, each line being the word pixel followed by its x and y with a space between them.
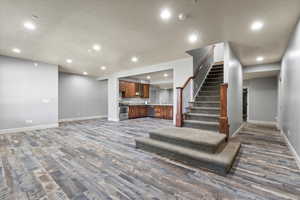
pixel 137 112
pixel 162 112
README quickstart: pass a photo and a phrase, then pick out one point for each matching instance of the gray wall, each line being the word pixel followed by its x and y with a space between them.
pixel 262 95
pixel 233 75
pixel 289 91
pixel 28 94
pixel 81 96
pixel 161 96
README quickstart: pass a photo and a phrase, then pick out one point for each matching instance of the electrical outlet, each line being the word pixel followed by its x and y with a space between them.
pixel 28 121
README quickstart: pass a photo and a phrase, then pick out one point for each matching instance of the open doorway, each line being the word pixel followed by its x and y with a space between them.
pixel 245 104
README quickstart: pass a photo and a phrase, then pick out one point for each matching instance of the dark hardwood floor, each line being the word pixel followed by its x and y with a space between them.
pixel 97 159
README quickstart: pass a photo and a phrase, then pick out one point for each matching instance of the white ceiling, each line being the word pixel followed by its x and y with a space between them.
pixel 124 28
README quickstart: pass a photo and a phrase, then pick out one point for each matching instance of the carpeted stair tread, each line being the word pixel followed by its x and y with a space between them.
pixel 204 108
pixel 203 115
pixel 197 136
pixel 201 122
pixel 219 162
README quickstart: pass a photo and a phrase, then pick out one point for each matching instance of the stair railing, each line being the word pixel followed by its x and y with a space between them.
pixel 223 120
pixel 195 82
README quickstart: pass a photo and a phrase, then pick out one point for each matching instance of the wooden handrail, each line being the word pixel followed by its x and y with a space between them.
pixel 179 114
pixel 223 121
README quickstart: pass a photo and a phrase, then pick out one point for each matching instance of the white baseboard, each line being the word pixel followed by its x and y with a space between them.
pixel 113 119
pixel 268 123
pixel 297 158
pixel 30 128
pixel 82 118
pixel 238 130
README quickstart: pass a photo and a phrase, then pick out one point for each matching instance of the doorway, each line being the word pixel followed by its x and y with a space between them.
pixel 245 104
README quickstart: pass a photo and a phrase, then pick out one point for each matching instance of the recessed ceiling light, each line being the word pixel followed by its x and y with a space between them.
pixel 260 58
pixel 85 73
pixel 96 47
pixel 16 50
pixel 166 75
pixel 103 68
pixel 181 16
pixel 193 38
pixel 148 77
pixel 134 59
pixel 29 25
pixel 257 25
pixel 69 60
pixel 35 64
pixel 165 14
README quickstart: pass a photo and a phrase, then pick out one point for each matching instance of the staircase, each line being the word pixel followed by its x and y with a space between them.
pixel 194 147
pixel 204 112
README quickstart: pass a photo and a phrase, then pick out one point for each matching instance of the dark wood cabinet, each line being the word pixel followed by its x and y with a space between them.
pixel 139 111
pixel 163 112
pixel 133 90
pixel 146 92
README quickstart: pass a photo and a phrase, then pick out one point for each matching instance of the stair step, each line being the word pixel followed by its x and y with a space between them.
pixel 204 110
pixel 209 93
pixel 202 117
pixel 220 162
pixel 212 126
pixel 210 88
pixel 207 98
pixel 191 138
pixel 205 103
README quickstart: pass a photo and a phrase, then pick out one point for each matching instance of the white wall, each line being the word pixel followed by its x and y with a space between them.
pixel 262 93
pixel 28 94
pixel 233 75
pixel 290 92
pixel 81 97
pixel 182 70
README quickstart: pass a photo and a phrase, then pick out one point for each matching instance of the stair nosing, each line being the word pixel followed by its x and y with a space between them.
pixel 218 158
pixel 201 122
pixel 203 115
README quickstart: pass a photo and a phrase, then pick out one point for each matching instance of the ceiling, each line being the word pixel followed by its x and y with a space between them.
pixel 125 28
pixel 156 78
pixel 253 75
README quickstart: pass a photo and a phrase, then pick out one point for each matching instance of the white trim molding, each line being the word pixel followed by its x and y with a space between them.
pixel 82 118
pixel 238 130
pixel 297 158
pixel 30 128
pixel 268 123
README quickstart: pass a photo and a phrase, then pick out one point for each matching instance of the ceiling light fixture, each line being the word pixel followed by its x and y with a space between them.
pixel 85 73
pixel 166 75
pixel 165 14
pixel 148 77
pixel 181 16
pixel 103 68
pixel 257 25
pixel 193 38
pixel 134 59
pixel 260 59
pixel 16 50
pixel 69 61
pixel 35 64
pixel 96 47
pixel 29 25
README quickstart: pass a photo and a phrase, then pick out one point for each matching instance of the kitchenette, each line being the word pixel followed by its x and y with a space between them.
pixel 141 97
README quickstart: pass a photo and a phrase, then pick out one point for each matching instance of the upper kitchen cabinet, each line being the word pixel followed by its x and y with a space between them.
pixel 133 89
pixel 145 89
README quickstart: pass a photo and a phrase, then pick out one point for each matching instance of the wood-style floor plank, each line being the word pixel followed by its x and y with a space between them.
pixel 97 159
